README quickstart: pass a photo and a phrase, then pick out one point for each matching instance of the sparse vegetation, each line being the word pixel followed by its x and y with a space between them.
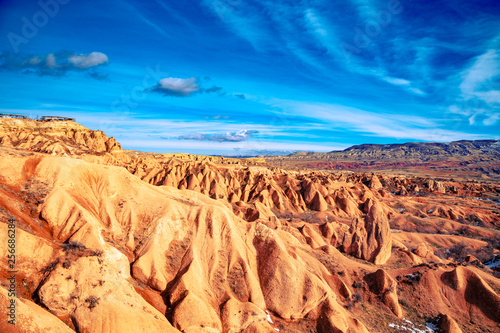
pixel 349 305
pixel 358 285
pixel 92 302
pixel 404 302
pixel 96 253
pixel 460 251
pixel 50 267
pixel 357 298
pixel 73 246
pixel 412 278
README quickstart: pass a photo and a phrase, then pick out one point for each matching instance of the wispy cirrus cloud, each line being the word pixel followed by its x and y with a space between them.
pixel 267 152
pixel 376 124
pixel 135 10
pixel 267 25
pixel 366 9
pixel 406 84
pixel 479 88
pixel 245 20
pixel 479 79
pixel 424 74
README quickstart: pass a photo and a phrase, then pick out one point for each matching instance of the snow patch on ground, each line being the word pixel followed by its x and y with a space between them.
pixel 271 321
pixel 269 318
pixel 432 326
pixel 493 263
pixel 408 326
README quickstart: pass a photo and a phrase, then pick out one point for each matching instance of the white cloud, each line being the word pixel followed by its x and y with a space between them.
pixel 50 61
pixel 366 9
pixel 403 83
pixel 492 120
pixel 472 119
pixel 480 96
pixel 88 60
pixel 34 61
pixel 315 23
pixel 177 87
pixel 242 19
pixel 396 81
pixel 53 64
pixel 478 77
pixel 490 97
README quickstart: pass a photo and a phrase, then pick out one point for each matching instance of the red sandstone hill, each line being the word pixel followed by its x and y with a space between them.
pixel 109 240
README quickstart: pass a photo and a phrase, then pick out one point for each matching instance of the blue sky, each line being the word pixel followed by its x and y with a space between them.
pixel 258 76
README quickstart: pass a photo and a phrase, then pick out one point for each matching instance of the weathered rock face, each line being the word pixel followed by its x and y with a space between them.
pixel 476 290
pixel 61 137
pixel 386 287
pixel 295 193
pixel 375 183
pixel 109 227
pixel 95 293
pixel 425 251
pixel 448 324
pixel 285 191
pixel 371 238
pixel 30 317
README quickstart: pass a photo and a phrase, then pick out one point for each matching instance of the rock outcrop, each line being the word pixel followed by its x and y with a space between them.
pixel 371 238
pixel 386 287
pixel 448 324
pixel 61 137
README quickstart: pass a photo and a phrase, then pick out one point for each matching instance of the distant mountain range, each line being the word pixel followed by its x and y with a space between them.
pixel 419 150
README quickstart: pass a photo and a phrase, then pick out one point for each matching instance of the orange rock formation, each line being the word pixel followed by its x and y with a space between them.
pixel 113 241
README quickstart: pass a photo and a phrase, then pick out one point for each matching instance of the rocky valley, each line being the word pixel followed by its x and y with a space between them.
pixel 111 240
pixel 463 160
